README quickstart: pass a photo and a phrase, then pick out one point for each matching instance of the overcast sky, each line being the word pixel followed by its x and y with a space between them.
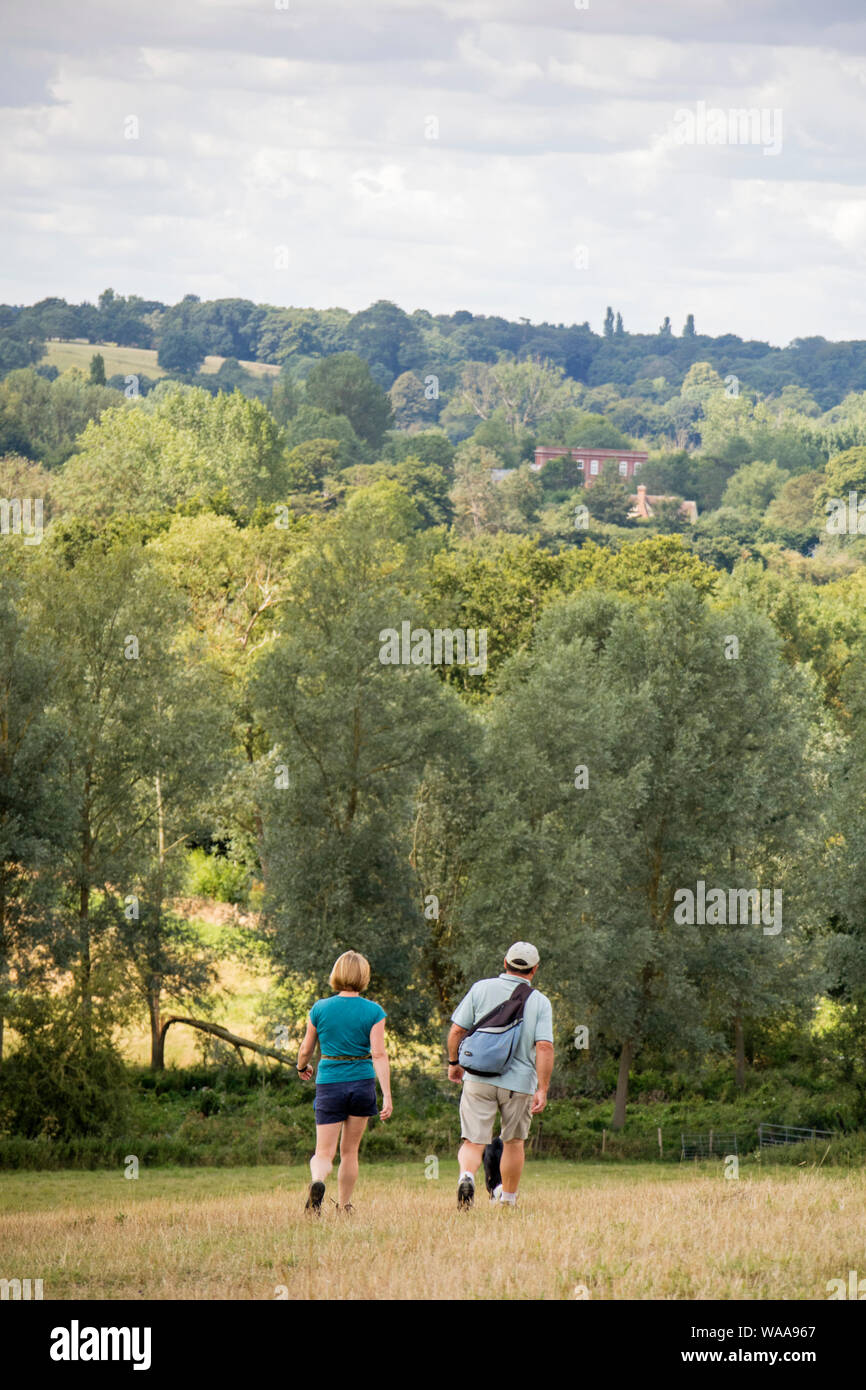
pixel 523 157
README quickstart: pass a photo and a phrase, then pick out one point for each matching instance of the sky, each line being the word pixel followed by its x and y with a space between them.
pixel 530 158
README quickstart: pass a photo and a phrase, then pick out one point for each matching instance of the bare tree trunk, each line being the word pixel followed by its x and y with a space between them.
pixel 625 1060
pixel 157 1042
pixel 218 1032
pixel 4 968
pixel 157 1037
pixel 85 981
pixel 86 967
pixel 740 1053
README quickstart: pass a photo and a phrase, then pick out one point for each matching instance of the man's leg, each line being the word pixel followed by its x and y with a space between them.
pixel 477 1114
pixel 469 1157
pixel 516 1119
pixel 511 1166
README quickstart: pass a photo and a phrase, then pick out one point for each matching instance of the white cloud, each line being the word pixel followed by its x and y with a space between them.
pixel 308 128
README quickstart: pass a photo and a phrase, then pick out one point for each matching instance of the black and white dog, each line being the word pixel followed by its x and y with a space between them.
pixel 491 1159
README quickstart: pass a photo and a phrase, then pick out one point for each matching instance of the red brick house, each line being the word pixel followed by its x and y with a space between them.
pixel 591 462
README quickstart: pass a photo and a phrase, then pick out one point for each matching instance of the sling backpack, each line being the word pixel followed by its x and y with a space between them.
pixel 489 1046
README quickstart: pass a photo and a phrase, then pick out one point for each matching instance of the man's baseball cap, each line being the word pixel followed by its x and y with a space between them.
pixel 522 954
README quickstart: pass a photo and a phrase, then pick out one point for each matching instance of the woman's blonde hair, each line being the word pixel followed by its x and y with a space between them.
pixel 351 971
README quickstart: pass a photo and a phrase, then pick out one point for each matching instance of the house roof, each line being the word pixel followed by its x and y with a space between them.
pixel 645 503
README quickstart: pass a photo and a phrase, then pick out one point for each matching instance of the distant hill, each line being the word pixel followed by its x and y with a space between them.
pixel 393 342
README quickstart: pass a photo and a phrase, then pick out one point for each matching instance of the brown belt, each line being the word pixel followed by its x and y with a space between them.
pixel 366 1058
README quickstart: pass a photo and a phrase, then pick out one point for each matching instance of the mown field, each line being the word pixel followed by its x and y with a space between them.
pixel 580 1231
pixel 141 361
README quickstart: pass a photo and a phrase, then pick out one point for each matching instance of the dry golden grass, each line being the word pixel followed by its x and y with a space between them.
pixel 626 1232
pixel 139 361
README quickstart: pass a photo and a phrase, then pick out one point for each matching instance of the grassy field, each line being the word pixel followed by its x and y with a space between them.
pixel 138 361
pixel 581 1230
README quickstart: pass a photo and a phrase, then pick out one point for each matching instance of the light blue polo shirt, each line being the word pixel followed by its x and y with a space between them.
pixel 537 1027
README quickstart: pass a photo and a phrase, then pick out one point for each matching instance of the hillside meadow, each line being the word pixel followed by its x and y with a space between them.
pixel 122 360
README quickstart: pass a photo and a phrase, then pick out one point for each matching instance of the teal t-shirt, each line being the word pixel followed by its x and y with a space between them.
pixel 343 1024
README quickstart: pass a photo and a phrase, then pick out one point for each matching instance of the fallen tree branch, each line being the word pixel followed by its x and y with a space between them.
pixel 218 1032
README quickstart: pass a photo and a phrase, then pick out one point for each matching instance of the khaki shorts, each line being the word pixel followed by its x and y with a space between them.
pixel 479 1104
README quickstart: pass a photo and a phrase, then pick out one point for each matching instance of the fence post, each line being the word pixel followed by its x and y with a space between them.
pixel 711 1141
pixel 603 1139
pixel 661 1151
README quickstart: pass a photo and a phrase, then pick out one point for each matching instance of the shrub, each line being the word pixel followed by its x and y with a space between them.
pixel 54 1087
pixel 214 876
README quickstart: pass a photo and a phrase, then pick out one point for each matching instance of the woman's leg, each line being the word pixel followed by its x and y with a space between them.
pixel 326 1146
pixel 353 1132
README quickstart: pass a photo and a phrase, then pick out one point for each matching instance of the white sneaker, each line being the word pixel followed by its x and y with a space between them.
pixel 496 1194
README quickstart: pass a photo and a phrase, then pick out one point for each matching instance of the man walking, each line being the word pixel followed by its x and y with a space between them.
pixel 519 1092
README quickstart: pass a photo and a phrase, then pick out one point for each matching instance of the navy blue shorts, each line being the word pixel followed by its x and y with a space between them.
pixel 337 1100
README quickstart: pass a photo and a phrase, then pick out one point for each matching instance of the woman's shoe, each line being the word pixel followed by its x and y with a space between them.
pixel 316 1198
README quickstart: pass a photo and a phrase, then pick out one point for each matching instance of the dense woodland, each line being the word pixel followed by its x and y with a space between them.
pixel 191 690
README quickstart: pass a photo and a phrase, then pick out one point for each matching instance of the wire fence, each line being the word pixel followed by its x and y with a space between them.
pixel 715 1144
pixel 711 1145
pixel 771 1135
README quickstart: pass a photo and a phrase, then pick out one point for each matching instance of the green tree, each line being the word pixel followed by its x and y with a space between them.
pixel 701 381
pixel 97 369
pixel 385 336
pixel 41 419
pixel 609 498
pixel 35 815
pixel 409 403
pixel 109 620
pixel 350 738
pixel 845 473
pixel 189 730
pixel 285 399
pixel 131 460
pixel 311 462
pixel 626 755
pixel 178 444
pixel 843 931
pixel 428 487
pixel 181 350
pixel 526 393
pixel 342 385
pixel 753 487
pixel 475 497
pixel 793 507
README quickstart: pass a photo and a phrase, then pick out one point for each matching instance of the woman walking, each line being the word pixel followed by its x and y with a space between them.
pixel 351 1034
